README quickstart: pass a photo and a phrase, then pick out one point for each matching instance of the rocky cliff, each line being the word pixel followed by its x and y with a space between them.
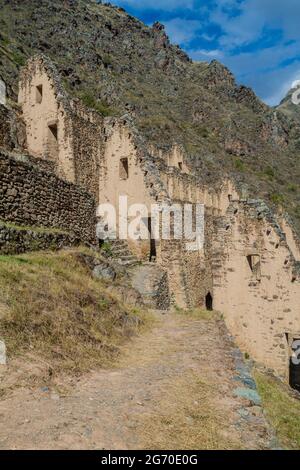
pixel 118 65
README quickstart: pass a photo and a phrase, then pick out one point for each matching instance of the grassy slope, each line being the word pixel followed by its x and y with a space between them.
pixel 283 411
pixel 50 305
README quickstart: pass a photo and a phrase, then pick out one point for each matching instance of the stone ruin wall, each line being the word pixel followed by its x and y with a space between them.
pixel 77 148
pixel 12 128
pixel 261 313
pixel 44 113
pixel 34 197
pixel 261 305
pixel 87 141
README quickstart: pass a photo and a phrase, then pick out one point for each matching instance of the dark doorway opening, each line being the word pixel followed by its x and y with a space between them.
pixel 152 256
pixel 209 302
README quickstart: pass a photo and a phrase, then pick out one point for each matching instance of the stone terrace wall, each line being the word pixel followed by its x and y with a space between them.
pixel 33 197
pixel 16 240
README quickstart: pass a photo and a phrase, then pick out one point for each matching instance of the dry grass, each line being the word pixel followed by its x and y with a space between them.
pixel 185 419
pixel 196 313
pixel 283 410
pixel 53 307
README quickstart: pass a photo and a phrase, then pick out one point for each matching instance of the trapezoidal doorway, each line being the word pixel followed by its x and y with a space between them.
pixel 209 302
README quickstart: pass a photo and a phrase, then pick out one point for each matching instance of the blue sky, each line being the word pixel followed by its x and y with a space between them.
pixel 259 40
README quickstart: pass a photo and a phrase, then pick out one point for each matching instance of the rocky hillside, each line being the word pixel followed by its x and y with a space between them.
pixel 288 106
pixel 118 65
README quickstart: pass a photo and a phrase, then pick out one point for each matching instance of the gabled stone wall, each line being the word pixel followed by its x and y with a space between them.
pixel 257 283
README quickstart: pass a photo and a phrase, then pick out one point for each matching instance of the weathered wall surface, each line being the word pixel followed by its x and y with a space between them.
pixel 114 181
pixel 33 197
pixel 291 237
pixel 87 145
pixel 59 129
pixel 12 129
pixel 121 174
pixel 44 112
pixel 261 304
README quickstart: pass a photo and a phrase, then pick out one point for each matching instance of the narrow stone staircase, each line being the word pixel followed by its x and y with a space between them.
pixel 121 253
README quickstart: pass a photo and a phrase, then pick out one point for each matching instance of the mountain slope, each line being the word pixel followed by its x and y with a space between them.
pixel 116 64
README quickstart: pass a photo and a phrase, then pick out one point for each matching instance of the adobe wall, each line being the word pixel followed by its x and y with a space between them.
pixel 43 109
pixel 261 306
pixel 116 180
pixel 30 196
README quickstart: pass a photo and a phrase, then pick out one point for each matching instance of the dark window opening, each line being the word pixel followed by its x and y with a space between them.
pixel 255 265
pixel 152 256
pixel 229 197
pixel 209 302
pixel 39 94
pixel 53 140
pixel 53 133
pixel 180 165
pixel 124 171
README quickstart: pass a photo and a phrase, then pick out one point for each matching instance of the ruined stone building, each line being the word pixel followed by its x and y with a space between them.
pixel 248 268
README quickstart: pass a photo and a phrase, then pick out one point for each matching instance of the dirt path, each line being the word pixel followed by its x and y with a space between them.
pixel 173 388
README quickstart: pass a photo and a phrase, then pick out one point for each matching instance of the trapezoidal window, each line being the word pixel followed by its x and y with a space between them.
pixel 255 265
pixel 39 94
pixel 52 141
pixel 123 169
pixel 180 166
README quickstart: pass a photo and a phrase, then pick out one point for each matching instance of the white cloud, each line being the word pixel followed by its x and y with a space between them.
pixel 295 84
pixel 182 31
pixel 253 17
pixel 245 25
pixel 203 54
pixel 166 5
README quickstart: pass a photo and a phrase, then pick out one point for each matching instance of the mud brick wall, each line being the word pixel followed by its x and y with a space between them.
pixel 32 197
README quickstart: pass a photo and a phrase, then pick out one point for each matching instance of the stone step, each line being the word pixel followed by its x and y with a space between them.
pixel 128 262
pixel 127 258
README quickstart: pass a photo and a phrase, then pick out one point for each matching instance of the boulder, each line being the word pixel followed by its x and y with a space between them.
pixel 103 271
